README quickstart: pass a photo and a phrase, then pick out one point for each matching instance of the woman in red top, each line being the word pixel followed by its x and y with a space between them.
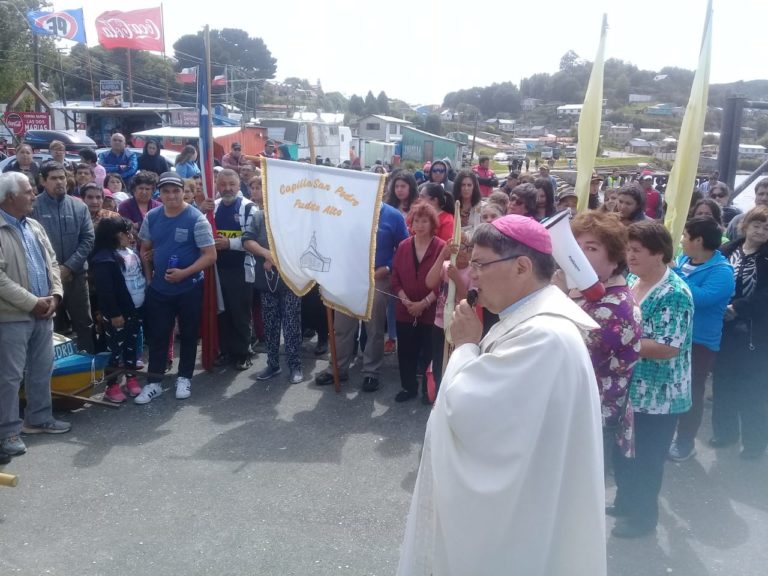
pixel 442 201
pixel 415 309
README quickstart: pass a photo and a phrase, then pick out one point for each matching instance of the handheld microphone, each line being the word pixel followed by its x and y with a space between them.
pixel 472 297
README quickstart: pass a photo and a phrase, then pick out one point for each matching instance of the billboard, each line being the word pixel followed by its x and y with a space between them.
pixel 20 122
pixel 111 93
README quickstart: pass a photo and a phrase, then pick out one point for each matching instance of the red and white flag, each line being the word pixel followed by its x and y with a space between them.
pixel 138 29
pixel 220 80
pixel 187 76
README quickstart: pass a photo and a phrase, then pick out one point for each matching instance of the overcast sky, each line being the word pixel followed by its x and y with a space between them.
pixel 418 50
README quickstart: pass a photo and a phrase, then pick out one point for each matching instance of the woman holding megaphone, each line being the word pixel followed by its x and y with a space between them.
pixel 615 347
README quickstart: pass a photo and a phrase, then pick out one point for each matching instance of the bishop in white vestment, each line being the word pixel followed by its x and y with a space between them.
pixel 511 475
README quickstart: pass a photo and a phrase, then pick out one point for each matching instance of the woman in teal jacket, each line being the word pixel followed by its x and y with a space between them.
pixel 186 166
pixel 709 276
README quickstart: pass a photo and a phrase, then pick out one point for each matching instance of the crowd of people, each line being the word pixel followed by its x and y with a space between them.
pixel 118 261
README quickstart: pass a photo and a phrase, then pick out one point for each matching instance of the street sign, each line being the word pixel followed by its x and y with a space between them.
pixel 20 122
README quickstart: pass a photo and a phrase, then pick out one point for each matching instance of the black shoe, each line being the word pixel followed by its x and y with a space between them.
pixel 625 528
pixel 370 384
pixel 615 511
pixel 221 360
pixel 307 333
pixel 4 458
pixel 405 395
pixel 326 378
pixel 243 364
pixel 321 348
pixel 268 373
pixel 716 442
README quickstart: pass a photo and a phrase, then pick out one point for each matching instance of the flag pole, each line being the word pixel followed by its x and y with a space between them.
pixel 130 76
pixel 682 177
pixel 165 61
pixel 328 311
pixel 590 123
pixel 209 325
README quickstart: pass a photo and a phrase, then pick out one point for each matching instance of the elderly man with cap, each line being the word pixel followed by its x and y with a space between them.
pixel 515 439
pixel 235 159
pixel 269 149
pixel 176 246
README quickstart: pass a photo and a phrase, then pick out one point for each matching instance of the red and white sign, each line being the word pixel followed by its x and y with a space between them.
pixel 20 122
pixel 138 29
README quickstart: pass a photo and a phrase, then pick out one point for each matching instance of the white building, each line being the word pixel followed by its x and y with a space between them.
pixel 569 109
pixel 383 128
pixel 639 98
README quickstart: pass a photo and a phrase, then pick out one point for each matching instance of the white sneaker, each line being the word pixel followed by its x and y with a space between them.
pixel 148 393
pixel 183 388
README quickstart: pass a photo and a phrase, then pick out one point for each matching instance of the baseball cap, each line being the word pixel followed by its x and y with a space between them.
pixel 236 146
pixel 170 178
pixel 526 231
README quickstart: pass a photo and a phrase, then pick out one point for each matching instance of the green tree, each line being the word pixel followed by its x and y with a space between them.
pixel 357 105
pixel 568 61
pixel 230 46
pixel 433 124
pixel 153 77
pixel 382 103
pixel 16 53
pixel 334 102
pixel 371 105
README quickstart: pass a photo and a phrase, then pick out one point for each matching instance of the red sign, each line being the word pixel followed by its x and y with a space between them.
pixel 138 29
pixel 20 122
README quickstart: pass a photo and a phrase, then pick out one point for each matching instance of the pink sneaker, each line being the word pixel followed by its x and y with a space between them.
pixel 114 394
pixel 132 386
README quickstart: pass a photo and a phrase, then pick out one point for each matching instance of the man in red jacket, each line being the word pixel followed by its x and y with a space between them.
pixel 485 176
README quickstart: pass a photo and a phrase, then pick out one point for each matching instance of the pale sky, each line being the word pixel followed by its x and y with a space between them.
pixel 418 50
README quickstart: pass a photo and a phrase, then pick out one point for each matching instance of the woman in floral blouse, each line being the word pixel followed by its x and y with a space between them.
pixel 661 382
pixel 615 348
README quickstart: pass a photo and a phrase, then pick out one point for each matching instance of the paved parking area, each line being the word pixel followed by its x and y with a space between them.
pixel 249 478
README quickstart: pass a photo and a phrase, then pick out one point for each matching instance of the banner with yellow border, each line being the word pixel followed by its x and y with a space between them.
pixel 321 224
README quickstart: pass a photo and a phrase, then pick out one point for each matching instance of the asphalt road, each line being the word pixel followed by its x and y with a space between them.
pixel 252 478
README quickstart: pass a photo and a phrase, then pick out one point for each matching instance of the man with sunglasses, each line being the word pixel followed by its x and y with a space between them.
pixel 514 440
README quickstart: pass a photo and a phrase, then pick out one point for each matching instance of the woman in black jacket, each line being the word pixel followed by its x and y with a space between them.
pixel 740 394
pixel 119 281
pixel 152 160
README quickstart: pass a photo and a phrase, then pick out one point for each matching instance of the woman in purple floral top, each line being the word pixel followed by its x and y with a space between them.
pixel 615 347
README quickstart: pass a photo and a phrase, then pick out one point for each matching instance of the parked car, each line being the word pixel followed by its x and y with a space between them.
pixel 73 141
pixel 500 157
pixel 40 157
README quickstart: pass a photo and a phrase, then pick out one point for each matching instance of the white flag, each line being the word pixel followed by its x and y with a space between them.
pixel 322 229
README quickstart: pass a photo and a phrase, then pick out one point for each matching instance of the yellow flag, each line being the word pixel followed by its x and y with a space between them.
pixel 683 175
pixel 589 123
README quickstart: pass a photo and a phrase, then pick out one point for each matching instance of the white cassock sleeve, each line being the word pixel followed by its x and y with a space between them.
pixel 516 454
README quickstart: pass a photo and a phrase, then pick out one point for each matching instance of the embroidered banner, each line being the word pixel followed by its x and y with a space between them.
pixel 322 229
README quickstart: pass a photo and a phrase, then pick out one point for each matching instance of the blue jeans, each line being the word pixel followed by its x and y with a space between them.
pixel 26 352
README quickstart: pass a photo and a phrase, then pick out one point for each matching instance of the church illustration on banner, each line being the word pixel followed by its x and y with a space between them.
pixel 311 259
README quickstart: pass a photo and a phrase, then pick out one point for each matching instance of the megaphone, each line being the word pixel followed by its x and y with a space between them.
pixel 570 257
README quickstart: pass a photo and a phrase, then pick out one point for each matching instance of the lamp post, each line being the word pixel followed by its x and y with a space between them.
pixel 35 48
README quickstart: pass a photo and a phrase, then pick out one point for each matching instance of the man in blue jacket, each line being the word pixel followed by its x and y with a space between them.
pixel 119 160
pixel 710 278
pixel 69 227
